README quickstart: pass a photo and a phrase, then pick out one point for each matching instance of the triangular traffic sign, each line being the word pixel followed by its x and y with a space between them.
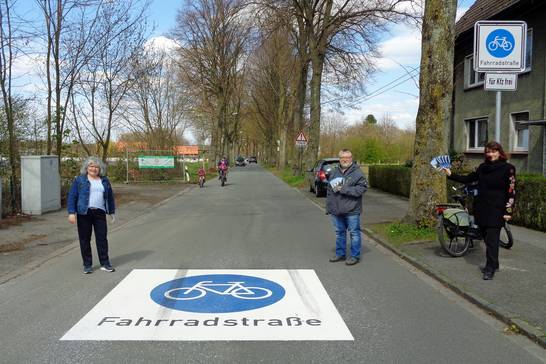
pixel 301 137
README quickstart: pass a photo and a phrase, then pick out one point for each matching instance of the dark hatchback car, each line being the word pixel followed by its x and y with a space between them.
pixel 240 161
pixel 317 177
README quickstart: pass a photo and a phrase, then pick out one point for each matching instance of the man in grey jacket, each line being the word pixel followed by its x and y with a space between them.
pixel 346 186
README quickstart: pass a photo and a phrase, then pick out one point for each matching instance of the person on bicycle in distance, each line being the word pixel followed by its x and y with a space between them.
pixel 494 203
pixel 201 173
pixel 223 165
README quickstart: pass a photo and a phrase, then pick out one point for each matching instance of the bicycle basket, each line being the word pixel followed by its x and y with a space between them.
pixel 458 217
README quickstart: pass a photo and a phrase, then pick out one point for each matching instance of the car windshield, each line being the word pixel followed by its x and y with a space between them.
pixel 240 159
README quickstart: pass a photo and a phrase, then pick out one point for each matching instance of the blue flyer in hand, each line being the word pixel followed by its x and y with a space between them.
pixel 441 161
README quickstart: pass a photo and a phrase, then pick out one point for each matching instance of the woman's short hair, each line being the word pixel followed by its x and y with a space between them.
pixel 96 161
pixel 494 146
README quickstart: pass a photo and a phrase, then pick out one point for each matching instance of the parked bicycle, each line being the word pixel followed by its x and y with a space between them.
pixel 456 229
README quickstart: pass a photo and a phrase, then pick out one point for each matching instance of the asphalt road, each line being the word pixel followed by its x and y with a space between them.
pixel 395 314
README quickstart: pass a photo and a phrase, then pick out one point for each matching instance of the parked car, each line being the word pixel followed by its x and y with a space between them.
pixel 252 159
pixel 317 177
pixel 240 161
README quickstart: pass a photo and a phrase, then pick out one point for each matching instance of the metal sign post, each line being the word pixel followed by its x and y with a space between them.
pixel 499 50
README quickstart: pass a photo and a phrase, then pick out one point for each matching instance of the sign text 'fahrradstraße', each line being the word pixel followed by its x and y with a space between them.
pixel 210 322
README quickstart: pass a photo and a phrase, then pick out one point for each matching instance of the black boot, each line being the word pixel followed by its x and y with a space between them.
pixel 488 274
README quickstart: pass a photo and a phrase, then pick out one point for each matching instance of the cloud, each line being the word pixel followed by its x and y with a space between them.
pixel 404 49
pixel 161 43
pixel 402 110
pixel 460 12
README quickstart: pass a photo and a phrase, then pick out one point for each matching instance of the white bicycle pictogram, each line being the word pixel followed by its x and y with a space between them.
pixel 500 42
pixel 235 289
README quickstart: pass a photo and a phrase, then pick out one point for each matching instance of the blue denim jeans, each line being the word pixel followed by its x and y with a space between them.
pixel 345 223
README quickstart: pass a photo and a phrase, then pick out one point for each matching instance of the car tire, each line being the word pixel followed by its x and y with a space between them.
pixel 318 191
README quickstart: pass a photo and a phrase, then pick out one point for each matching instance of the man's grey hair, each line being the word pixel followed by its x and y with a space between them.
pixel 96 161
pixel 343 151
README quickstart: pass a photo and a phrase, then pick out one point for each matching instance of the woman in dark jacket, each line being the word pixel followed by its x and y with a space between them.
pixel 495 201
pixel 90 199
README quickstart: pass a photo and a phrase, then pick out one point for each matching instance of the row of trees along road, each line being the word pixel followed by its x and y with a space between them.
pixel 247 74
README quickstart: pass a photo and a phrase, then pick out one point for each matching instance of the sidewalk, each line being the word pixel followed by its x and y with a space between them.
pixel 517 294
pixel 36 239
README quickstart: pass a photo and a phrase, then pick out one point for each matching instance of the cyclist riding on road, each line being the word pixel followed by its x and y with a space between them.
pixel 223 166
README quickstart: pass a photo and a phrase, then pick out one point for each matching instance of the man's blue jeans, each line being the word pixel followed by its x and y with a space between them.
pixel 342 224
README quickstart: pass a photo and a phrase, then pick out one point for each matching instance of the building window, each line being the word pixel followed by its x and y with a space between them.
pixel 529 51
pixel 472 78
pixel 477 133
pixel 521 131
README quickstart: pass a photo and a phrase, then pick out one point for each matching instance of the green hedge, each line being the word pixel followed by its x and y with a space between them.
pixel 391 178
pixel 531 202
pixel 530 192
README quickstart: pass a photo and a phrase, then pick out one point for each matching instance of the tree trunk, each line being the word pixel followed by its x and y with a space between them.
pixel 428 187
pixel 311 154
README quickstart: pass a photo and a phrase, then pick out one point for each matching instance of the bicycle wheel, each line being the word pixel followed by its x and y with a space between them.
pixel 506 240
pixel 450 241
pixel 185 293
pixel 251 293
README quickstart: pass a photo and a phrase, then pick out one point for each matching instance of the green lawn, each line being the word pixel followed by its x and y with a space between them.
pixel 399 234
pixel 287 176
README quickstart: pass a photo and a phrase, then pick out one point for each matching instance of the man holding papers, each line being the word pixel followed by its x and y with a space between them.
pixel 346 186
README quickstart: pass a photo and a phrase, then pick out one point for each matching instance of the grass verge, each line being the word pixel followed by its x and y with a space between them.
pixel 287 176
pixel 398 234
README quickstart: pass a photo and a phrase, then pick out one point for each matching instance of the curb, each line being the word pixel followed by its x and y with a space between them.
pixel 523 327
pixel 64 250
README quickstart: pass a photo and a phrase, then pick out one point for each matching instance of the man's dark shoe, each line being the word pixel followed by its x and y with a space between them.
pixel 488 275
pixel 352 261
pixel 87 270
pixel 107 268
pixel 336 258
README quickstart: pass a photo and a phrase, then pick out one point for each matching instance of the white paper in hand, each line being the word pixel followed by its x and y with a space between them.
pixel 336 183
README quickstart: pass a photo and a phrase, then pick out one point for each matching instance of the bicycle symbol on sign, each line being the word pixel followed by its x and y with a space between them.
pixel 234 289
pixel 501 42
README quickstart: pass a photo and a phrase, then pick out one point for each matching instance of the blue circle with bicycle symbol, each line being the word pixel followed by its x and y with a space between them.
pixel 500 43
pixel 217 293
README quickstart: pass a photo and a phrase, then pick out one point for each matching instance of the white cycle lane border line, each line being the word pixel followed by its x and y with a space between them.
pixel 214 305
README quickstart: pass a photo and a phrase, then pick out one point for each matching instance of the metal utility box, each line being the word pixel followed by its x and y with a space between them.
pixel 40 184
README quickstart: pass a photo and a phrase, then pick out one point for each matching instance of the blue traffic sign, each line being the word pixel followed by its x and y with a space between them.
pixel 500 43
pixel 217 293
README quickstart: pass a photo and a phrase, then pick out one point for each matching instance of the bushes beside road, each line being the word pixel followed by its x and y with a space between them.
pixel 530 192
pixel 531 202
pixel 394 179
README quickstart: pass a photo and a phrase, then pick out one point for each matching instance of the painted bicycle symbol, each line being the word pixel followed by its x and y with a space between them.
pixel 217 293
pixel 234 289
pixel 501 42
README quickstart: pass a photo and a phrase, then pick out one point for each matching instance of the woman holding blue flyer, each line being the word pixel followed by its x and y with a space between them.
pixel 495 201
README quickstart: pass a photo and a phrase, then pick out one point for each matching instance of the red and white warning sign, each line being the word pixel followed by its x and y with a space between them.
pixel 301 140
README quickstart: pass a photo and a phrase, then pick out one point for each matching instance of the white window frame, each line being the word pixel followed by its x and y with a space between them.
pixel 514 131
pixel 469 70
pixel 476 130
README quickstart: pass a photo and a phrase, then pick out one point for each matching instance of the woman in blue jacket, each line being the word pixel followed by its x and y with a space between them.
pixel 89 201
